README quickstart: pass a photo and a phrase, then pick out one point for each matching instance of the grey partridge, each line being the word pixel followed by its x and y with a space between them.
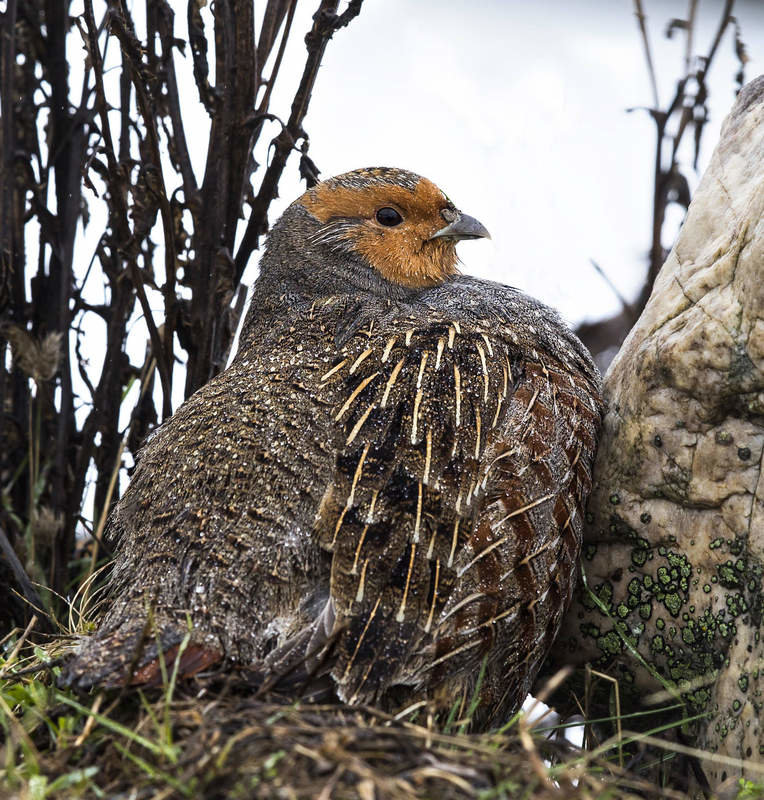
pixel 385 487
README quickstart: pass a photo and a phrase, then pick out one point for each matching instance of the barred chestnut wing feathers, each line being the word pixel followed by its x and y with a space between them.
pixel 454 515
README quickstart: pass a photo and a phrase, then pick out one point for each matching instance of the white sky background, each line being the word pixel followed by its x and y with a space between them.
pixel 515 109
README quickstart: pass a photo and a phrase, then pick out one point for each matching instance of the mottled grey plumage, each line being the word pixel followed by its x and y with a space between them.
pixel 386 484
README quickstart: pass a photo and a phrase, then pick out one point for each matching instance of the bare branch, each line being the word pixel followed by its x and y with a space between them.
pixel 640 15
pixel 325 23
pixel 120 216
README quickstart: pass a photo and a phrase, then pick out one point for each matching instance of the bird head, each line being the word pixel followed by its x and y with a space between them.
pixel 382 227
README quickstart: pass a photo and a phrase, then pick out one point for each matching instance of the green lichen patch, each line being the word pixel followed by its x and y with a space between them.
pixel 729 576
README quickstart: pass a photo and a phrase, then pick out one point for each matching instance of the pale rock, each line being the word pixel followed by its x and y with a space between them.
pixel 674 544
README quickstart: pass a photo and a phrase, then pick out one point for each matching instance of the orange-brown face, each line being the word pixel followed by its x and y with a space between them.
pixel 390 224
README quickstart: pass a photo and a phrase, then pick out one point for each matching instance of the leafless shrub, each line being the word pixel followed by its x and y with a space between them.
pixel 116 145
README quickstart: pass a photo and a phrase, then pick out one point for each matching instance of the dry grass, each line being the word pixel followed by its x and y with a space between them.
pixel 211 738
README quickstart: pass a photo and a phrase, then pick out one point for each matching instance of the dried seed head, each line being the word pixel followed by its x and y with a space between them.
pixel 39 359
pixel 45 526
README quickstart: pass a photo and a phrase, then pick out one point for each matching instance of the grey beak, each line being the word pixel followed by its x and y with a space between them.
pixel 463 227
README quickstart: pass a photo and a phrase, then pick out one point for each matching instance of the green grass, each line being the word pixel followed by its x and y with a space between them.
pixel 213 739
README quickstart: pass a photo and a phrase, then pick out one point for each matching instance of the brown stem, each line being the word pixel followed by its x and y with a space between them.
pixel 120 217
pixel 640 15
pixel 325 23
pixel 190 189
pixel 131 48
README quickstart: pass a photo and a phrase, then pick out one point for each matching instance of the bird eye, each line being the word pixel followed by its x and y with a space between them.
pixel 389 217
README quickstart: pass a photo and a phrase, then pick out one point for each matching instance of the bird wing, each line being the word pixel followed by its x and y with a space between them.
pixel 426 512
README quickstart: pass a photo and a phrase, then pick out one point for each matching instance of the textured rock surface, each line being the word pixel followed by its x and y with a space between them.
pixel 674 545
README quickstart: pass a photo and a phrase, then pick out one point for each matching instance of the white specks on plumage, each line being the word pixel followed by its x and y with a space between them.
pixel 394 484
